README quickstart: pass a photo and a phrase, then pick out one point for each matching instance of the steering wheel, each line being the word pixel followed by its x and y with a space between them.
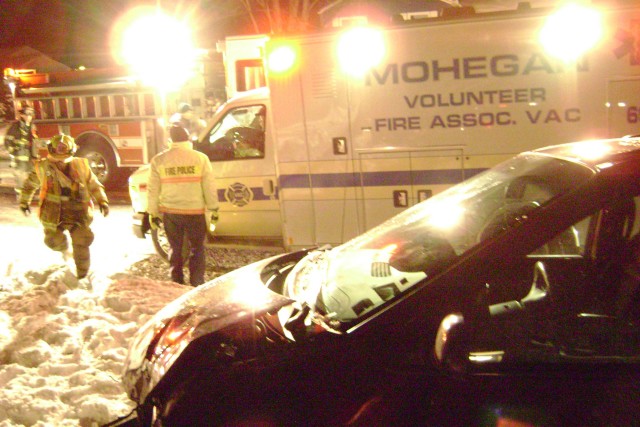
pixel 428 256
pixel 507 216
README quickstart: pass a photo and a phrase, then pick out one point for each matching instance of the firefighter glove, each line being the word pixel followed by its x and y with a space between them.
pixel 104 208
pixel 214 217
pixel 25 210
pixel 155 222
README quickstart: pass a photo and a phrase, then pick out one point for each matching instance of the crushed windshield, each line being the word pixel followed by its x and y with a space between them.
pixel 239 134
pixel 364 273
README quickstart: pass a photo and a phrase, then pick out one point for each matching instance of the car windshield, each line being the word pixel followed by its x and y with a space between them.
pixel 353 279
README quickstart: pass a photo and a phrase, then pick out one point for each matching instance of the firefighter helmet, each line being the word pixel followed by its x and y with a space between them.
pixel 27 110
pixel 61 146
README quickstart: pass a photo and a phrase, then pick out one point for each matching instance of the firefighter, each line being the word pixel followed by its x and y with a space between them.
pixel 19 142
pixel 183 118
pixel 181 189
pixel 68 189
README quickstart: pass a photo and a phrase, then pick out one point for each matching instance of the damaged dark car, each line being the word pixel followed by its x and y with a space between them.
pixel 528 267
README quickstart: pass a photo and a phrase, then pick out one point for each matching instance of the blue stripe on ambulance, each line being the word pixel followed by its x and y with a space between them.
pixel 368 179
pixel 375 179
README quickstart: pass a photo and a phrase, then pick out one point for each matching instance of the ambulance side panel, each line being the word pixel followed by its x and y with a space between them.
pixel 450 99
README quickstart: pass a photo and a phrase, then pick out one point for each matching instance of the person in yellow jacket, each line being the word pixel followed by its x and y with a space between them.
pixel 68 189
pixel 20 142
pixel 182 189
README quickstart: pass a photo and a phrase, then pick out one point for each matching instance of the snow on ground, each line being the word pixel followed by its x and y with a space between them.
pixel 63 343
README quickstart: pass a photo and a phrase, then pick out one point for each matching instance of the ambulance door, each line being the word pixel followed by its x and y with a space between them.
pixel 393 180
pixel 242 156
pixel 624 107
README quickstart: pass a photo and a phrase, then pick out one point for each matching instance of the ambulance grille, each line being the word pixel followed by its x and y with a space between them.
pixel 380 269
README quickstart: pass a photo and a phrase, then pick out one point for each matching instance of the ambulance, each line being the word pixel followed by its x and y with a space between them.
pixel 358 124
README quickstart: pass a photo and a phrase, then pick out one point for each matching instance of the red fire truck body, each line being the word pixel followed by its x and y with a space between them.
pixel 116 121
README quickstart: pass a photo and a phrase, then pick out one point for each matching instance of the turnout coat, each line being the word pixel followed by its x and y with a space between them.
pixel 76 189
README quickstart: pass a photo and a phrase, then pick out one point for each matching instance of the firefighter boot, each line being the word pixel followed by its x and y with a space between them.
pixel 57 240
pixel 81 239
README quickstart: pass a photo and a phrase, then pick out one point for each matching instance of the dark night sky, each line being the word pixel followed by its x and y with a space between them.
pixel 68 31
pixel 76 32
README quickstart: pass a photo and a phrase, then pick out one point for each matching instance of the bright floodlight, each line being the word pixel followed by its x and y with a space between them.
pixel 571 32
pixel 359 49
pixel 282 59
pixel 159 49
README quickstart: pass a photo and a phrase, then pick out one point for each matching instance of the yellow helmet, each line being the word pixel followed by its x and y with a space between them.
pixel 62 146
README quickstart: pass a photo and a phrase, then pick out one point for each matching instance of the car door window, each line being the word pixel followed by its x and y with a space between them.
pixel 592 255
pixel 584 292
pixel 577 295
pixel 571 241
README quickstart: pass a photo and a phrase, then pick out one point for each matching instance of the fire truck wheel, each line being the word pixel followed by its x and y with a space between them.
pixel 161 244
pixel 102 162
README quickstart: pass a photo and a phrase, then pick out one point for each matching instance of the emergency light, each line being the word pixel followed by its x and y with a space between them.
pixel 359 49
pixel 571 31
pixel 282 58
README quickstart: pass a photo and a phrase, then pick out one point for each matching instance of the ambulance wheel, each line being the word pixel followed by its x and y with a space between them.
pixel 161 244
pixel 102 162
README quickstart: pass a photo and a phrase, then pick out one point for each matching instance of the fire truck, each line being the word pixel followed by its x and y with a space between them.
pixel 116 121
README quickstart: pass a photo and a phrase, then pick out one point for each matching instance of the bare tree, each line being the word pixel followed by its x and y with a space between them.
pixel 283 16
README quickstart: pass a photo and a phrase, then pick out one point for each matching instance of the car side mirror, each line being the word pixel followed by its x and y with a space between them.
pixel 453 349
pixel 451 346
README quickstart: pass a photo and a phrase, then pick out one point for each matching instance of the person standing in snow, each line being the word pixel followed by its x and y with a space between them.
pixel 19 142
pixel 68 189
pixel 182 188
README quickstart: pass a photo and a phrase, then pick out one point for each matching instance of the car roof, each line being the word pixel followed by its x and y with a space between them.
pixel 597 152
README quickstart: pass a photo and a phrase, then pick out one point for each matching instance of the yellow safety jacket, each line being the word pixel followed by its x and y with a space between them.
pixel 75 189
pixel 19 142
pixel 181 181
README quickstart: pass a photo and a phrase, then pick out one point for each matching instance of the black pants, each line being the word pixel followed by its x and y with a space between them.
pixel 194 229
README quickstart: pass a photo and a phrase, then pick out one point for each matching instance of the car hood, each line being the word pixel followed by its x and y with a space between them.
pixel 138 188
pixel 227 300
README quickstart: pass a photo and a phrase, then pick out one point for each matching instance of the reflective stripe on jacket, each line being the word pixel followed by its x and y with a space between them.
pixel 83 188
pixel 181 181
pixel 19 141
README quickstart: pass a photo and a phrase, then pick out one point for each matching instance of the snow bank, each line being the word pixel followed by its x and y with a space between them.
pixel 63 343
